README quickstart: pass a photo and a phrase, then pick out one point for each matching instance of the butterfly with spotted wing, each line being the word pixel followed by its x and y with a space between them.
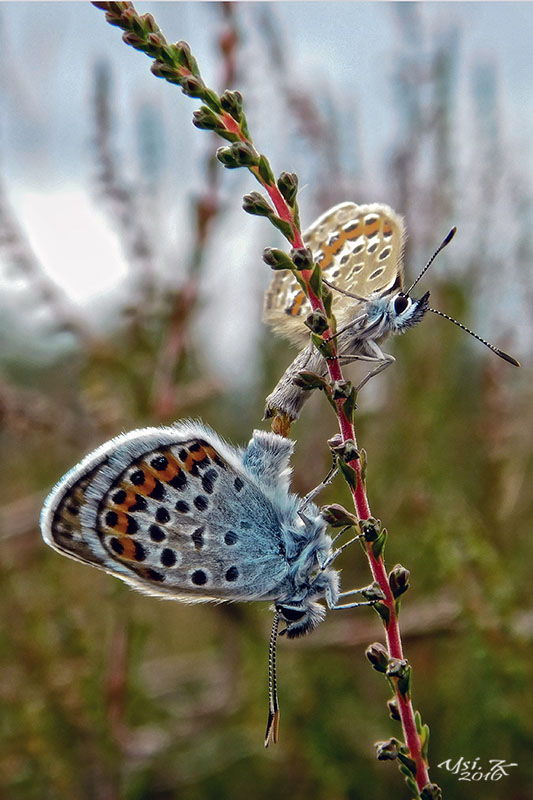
pixel 177 512
pixel 359 249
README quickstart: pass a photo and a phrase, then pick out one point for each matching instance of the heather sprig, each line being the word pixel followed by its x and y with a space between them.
pixel 224 115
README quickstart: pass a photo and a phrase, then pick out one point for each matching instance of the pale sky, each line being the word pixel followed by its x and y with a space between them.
pixel 48 50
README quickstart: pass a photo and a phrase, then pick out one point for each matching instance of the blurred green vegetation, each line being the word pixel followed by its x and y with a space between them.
pixel 106 693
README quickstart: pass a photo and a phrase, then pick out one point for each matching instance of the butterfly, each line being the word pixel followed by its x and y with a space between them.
pixel 178 512
pixel 360 251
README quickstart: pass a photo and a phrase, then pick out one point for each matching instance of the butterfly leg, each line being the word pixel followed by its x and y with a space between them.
pixel 336 553
pixel 374 354
pixel 357 322
pixel 334 605
pixel 327 480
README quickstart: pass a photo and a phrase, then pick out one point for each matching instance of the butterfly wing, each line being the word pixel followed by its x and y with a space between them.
pixel 359 249
pixel 173 512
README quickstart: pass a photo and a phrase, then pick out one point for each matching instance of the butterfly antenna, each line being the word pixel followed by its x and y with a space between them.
pixel 343 291
pixel 442 245
pixel 273 705
pixel 494 349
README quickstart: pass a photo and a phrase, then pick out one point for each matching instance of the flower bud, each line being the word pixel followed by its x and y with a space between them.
pixel 131 38
pixel 394 712
pixel 337 516
pixel 374 592
pixel 205 119
pixel 378 656
pixel 277 259
pixel 316 322
pixel 431 792
pixel 342 389
pixel 254 202
pixel 288 186
pixel 370 528
pixel 388 751
pixel 302 258
pixel 399 580
pixel 192 87
pixel 231 102
pixel 306 379
pixel 238 154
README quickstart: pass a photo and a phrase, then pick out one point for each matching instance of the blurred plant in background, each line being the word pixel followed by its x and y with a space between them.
pixel 109 694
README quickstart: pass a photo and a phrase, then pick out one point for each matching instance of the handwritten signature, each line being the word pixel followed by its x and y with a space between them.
pixel 473 771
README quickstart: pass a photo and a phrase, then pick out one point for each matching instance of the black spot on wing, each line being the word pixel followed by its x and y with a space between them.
pixel 156 533
pixel 168 557
pixel 201 502
pixel 162 515
pixel 179 481
pixel 140 503
pixel 232 574
pixel 198 538
pixel 208 480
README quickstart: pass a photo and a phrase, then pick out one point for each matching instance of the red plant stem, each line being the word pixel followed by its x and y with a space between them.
pixel 377 566
pixel 282 209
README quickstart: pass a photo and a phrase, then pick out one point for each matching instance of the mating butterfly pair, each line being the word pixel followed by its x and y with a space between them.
pixel 359 249
pixel 178 512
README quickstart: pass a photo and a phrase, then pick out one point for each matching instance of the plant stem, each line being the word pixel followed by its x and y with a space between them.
pixel 377 567
pixel 176 64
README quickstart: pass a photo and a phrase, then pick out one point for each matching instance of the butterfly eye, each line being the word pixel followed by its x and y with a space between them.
pixel 401 303
pixel 291 614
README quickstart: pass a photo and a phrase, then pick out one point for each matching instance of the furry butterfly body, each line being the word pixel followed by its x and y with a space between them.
pixel 359 249
pixel 178 512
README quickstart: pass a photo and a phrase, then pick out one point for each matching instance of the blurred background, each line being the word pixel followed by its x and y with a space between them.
pixel 131 287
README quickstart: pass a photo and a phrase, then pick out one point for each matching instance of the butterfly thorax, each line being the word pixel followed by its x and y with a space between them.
pixel 300 608
pixel 389 314
pixel 308 582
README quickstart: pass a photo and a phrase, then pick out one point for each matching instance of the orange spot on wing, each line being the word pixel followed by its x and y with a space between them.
pixel 211 452
pixel 343 237
pixel 129 549
pixel 121 525
pixel 189 463
pixel 194 457
pixel 352 234
pixel 199 455
pixel 128 501
pixel 172 469
pixel 296 306
pixel 149 481
pixel 372 227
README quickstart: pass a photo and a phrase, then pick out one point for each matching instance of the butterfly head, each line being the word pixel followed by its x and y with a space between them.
pixel 300 617
pixel 300 611
pixel 405 311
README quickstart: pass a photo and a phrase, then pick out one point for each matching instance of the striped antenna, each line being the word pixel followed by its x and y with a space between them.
pixel 505 356
pixel 500 353
pixel 273 705
pixel 441 246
